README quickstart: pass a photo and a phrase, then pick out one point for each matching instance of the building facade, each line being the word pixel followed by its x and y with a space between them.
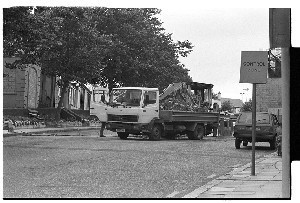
pixel 269 95
pixel 21 87
pixel 28 88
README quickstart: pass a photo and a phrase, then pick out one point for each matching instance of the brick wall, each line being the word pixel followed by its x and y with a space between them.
pixel 269 95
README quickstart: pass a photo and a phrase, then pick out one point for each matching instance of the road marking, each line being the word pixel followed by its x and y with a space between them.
pixel 173 194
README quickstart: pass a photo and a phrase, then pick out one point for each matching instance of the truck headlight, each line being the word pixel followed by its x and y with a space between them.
pixel 136 127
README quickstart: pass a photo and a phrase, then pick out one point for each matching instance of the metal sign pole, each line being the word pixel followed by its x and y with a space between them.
pixel 253 128
pixel 254 68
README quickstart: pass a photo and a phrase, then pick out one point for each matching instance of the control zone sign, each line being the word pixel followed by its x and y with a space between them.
pixel 254 67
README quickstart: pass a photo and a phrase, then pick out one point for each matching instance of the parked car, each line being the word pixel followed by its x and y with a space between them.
pixel 266 124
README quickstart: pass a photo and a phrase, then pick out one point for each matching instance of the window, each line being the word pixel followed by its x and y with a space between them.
pixel 127 97
pixel 260 118
pixel 97 95
pixel 150 97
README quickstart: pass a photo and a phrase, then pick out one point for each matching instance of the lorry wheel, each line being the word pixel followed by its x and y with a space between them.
pixel 155 133
pixel 197 134
pixel 237 143
pixel 215 131
pixel 273 144
pixel 122 135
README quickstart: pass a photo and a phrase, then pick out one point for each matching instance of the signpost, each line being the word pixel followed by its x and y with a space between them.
pixel 254 67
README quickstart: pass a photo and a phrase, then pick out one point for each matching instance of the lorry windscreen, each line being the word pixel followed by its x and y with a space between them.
pixel 127 97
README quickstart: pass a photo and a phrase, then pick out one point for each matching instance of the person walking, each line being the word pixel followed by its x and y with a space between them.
pixel 102 129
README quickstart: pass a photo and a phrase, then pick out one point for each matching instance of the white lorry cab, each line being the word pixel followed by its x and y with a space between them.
pixel 130 110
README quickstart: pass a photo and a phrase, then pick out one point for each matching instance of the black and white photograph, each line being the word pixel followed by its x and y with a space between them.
pixel 150 100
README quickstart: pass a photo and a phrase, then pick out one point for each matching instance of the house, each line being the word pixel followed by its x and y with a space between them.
pixel 78 97
pixel 216 102
pixel 236 103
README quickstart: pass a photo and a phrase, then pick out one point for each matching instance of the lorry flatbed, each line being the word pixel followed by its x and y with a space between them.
pixel 188 116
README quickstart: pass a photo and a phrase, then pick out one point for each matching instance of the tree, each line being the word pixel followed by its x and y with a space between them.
pixel 247 106
pixel 114 47
pixel 142 55
pixel 60 40
pixel 226 106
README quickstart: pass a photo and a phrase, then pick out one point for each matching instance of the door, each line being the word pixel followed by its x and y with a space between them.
pixel 98 106
pixel 150 106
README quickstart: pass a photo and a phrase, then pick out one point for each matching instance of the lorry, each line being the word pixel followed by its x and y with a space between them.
pixel 136 110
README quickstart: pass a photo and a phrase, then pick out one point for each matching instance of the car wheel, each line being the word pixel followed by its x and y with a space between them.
pixel 237 143
pixel 273 144
pixel 122 135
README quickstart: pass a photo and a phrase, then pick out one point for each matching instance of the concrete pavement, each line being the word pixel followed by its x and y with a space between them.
pixel 239 183
pixel 28 131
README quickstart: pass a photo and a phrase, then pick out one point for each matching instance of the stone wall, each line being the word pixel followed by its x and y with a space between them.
pixel 32 86
pixel 269 95
pixel 13 86
pixel 21 86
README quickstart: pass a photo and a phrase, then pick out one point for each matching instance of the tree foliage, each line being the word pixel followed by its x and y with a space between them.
pixel 114 47
pixel 247 106
pixel 226 106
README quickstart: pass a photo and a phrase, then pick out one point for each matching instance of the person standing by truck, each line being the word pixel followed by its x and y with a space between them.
pixel 102 123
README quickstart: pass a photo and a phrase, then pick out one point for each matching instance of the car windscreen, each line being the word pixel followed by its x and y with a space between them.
pixel 262 118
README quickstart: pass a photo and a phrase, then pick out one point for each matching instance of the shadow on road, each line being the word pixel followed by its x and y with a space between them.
pixel 260 148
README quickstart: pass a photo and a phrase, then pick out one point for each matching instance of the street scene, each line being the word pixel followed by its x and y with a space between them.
pixel 109 102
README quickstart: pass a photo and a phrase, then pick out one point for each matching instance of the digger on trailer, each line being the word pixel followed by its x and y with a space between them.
pixel 140 110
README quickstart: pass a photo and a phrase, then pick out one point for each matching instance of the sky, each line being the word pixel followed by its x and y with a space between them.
pixel 219 35
pixel 218 30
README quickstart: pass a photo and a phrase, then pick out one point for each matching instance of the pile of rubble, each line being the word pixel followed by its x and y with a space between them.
pixel 181 100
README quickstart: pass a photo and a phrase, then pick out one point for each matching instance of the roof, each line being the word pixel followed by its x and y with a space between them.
pixel 237 103
pixel 136 88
